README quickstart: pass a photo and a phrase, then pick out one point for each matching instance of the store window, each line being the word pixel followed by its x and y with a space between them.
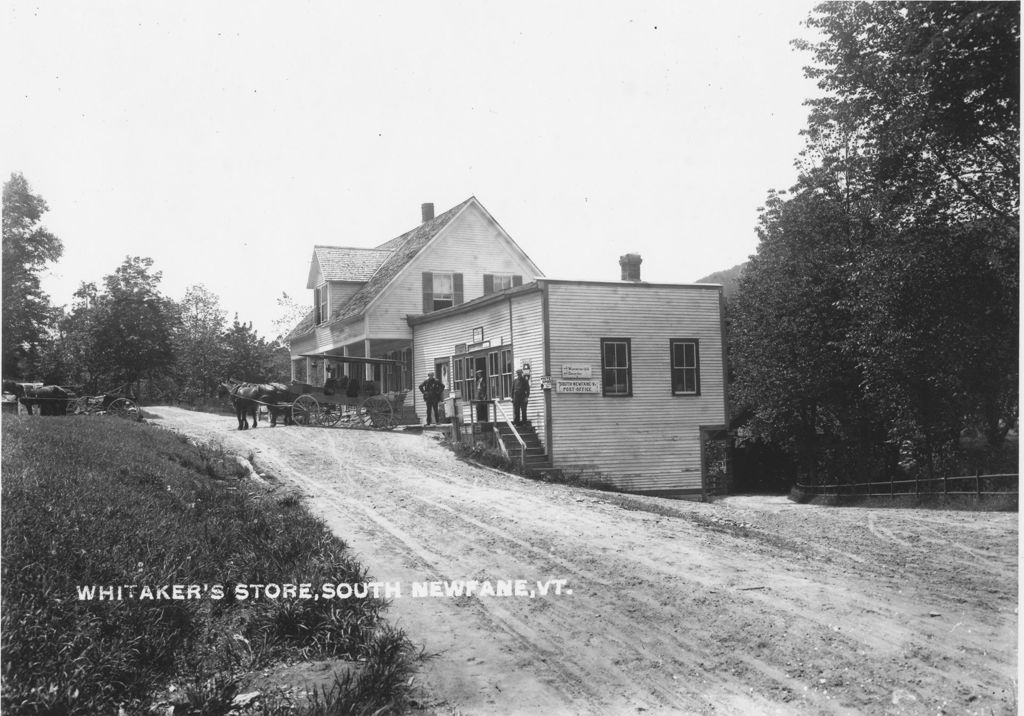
pixel 685 367
pixel 616 367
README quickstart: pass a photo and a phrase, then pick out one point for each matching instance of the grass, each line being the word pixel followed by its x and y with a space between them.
pixel 101 501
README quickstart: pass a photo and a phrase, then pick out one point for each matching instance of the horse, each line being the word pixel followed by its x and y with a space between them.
pixel 51 399
pixel 247 398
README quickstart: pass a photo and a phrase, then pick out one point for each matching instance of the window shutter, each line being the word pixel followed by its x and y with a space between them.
pixel 457 287
pixel 428 291
pixel 488 283
pixel 517 280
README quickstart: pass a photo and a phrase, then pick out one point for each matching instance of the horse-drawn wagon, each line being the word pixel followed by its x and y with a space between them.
pixel 116 402
pixel 345 401
pixel 71 400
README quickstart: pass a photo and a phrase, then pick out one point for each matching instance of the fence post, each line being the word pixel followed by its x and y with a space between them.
pixel 892 487
pixel 977 483
pixel 945 487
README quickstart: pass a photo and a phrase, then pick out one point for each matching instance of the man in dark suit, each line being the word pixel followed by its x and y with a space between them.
pixel 432 390
pixel 520 394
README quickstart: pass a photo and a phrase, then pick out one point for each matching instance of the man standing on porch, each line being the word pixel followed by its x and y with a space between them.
pixel 432 390
pixel 520 394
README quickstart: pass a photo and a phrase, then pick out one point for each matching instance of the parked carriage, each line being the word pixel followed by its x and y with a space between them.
pixel 116 402
pixel 346 401
pixel 341 401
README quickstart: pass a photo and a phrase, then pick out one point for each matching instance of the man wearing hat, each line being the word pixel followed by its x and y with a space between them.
pixel 520 394
pixel 432 390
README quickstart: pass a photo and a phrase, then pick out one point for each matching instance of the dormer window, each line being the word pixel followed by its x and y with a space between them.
pixel 320 303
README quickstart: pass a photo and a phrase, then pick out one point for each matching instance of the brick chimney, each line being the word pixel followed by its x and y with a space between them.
pixel 428 212
pixel 630 264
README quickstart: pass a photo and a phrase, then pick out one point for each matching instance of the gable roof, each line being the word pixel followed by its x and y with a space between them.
pixel 402 249
pixel 376 266
pixel 390 258
pixel 344 263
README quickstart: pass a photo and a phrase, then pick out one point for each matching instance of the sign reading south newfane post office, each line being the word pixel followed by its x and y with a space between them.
pixel 577 378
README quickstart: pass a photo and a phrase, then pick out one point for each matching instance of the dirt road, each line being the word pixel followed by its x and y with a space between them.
pixel 743 606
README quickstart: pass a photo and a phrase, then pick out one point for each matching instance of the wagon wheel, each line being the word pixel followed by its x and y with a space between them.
pixel 376 412
pixel 124 408
pixel 78 405
pixel 330 414
pixel 305 410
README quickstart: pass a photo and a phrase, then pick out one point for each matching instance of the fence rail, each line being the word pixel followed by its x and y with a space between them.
pixel 961 484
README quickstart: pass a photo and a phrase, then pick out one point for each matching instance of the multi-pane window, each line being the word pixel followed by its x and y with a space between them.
pixel 499 373
pixel 506 373
pixel 320 302
pixel 441 290
pixel 457 376
pixel 616 367
pixel 464 377
pixel 444 291
pixel 685 367
pixel 502 281
pixel 493 376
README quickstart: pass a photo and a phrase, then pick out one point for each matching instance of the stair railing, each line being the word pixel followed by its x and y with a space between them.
pixel 518 437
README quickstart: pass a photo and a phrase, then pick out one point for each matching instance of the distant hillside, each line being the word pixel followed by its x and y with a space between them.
pixel 729 278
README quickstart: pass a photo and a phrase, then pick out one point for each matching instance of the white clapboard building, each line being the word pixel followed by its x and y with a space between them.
pixel 627 377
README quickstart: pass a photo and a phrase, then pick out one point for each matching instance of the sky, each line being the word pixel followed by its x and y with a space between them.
pixel 224 140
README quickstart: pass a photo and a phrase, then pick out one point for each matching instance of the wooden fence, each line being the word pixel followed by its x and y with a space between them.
pixel 977 485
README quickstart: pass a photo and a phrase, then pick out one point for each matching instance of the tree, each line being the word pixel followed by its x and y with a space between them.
pixel 131 323
pixel 935 336
pixel 290 313
pixel 881 308
pixel 200 353
pixel 27 248
pixel 932 91
pixel 789 326
pixel 248 356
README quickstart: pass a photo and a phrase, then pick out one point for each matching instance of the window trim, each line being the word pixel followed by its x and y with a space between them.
pixel 321 302
pixel 672 343
pixel 502 276
pixel 438 296
pixel 628 368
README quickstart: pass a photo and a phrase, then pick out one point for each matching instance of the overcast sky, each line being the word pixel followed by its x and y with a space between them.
pixel 225 139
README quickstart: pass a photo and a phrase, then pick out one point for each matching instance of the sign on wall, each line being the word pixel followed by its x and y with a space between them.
pixel 577 370
pixel 577 386
pixel 545 382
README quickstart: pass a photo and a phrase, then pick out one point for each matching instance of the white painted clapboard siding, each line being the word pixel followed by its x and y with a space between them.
pixel 471 245
pixel 650 441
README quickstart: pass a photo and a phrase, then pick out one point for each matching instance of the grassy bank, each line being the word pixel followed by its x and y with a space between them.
pixel 101 502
